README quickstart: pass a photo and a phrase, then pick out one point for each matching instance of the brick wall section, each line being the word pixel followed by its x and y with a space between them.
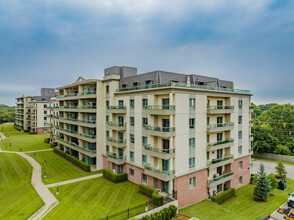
pixel 187 196
pixel 137 173
pixel 41 130
pixel 105 162
pixel 245 172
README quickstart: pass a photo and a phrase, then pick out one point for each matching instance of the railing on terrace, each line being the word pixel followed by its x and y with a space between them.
pixel 214 161
pixel 116 107
pixel 75 145
pixel 76 120
pixel 159 150
pixel 118 141
pixel 76 94
pixel 161 172
pixel 116 124
pixel 159 107
pixel 184 86
pixel 88 135
pixel 113 156
pixel 162 129
pixel 75 107
pixel 213 107
pixel 221 177
pixel 220 125
pixel 220 142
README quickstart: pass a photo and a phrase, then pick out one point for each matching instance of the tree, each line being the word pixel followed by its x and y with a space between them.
pixel 281 170
pixel 274 181
pixel 282 149
pixel 263 185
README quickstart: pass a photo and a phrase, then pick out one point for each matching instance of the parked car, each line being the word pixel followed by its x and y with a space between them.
pixel 290 201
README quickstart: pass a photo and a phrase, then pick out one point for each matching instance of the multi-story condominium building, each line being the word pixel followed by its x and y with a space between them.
pixel 31 113
pixel 186 135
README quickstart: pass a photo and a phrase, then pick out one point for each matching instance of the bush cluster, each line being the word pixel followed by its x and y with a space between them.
pixel 253 178
pixel 46 140
pixel 32 132
pixel 116 178
pixel 77 162
pixel 53 144
pixel 16 128
pixel 219 198
pixel 26 130
pixel 148 191
pixel 164 214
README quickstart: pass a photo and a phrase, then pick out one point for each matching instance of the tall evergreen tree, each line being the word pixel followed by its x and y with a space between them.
pixel 263 185
pixel 280 169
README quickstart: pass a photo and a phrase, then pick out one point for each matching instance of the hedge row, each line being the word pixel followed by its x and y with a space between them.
pixel 26 131
pixel 46 140
pixel 32 132
pixel 116 178
pixel 219 198
pixel 77 162
pixel 148 191
pixel 53 144
pixel 164 214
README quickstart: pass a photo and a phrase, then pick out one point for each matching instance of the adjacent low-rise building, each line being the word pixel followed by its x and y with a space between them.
pixel 188 136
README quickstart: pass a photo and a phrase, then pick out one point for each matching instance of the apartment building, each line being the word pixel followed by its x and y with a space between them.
pixel 186 135
pixel 31 111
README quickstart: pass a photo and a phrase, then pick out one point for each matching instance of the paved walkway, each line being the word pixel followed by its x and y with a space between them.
pixel 74 180
pixel 2 137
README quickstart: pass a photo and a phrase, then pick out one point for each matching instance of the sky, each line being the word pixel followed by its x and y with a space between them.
pixel 51 43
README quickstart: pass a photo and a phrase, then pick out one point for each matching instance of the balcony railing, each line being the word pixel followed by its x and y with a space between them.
pixel 220 125
pixel 221 177
pixel 220 142
pixel 162 129
pixel 120 124
pixel 116 107
pixel 222 107
pixel 118 141
pixel 76 120
pixel 183 85
pixel 159 107
pixel 214 161
pixel 159 150
pixel 88 135
pixel 75 145
pixel 161 172
pixel 113 156
pixel 75 107
pixel 76 94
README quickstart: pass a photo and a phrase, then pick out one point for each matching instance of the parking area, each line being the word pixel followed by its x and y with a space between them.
pixel 278 216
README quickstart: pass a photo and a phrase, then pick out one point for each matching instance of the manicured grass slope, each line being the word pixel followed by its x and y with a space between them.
pixel 57 168
pixel 20 139
pixel 18 199
pixel 94 199
pixel 242 207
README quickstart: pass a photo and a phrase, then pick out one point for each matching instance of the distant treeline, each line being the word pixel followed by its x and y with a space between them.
pixel 7 113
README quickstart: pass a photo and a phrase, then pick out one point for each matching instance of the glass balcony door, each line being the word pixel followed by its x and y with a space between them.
pixel 165 186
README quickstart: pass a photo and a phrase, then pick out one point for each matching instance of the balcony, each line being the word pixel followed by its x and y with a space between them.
pixel 18 118
pixel 219 109
pixel 220 127
pixel 159 109
pixel 117 142
pixel 118 109
pixel 220 144
pixel 87 137
pixel 116 159
pixel 86 151
pixel 158 152
pixel 221 161
pixel 159 174
pixel 75 121
pixel 18 107
pixel 116 126
pixel 160 131
pixel 220 179
pixel 82 95
pixel 76 108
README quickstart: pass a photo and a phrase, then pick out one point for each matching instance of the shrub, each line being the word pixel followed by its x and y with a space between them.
pixel 53 144
pixel 78 162
pixel 164 214
pixel 26 131
pixel 32 132
pixel 219 198
pixel 60 152
pixel 253 178
pixel 146 190
pixel 46 140
pixel 116 178
pixel 157 199
pixel 282 149
pixel 274 181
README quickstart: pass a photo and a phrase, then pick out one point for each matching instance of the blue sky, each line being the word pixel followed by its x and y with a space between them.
pixel 50 43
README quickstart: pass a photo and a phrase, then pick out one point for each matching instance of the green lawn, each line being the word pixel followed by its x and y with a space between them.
pixel 57 168
pixel 94 199
pixel 27 142
pixel 271 160
pixel 242 207
pixel 9 129
pixel 18 199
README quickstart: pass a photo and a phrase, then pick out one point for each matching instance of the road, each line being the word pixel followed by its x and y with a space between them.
pixel 270 167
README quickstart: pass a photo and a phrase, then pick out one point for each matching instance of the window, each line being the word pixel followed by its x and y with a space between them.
pixel 240 150
pixel 240 119
pixel 207 121
pixel 132 155
pixel 192 182
pixel 165 102
pixel 239 134
pixel 124 86
pixel 107 103
pixel 240 104
pixel 144 178
pixel 144 102
pixel 120 168
pixel 207 155
pixel 135 84
pixel 219 121
pixel 219 137
pixel 208 103
pixel 219 153
pixel 107 134
pixel 145 121
pixel 132 103
pixel 132 137
pixel 132 119
pixel 45 112
pixel 192 162
pixel 192 123
pixel 240 165
pixel 107 118
pixel 207 138
pixel 120 103
pixel 219 104
pixel 45 130
pixel 219 188
pixel 191 103
pixel 148 82
pixel 107 89
pixel 144 140
pixel 240 180
pixel 131 173
pixel 144 159
pixel 107 149
pixel 45 106
pixel 191 142
pixel 45 118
